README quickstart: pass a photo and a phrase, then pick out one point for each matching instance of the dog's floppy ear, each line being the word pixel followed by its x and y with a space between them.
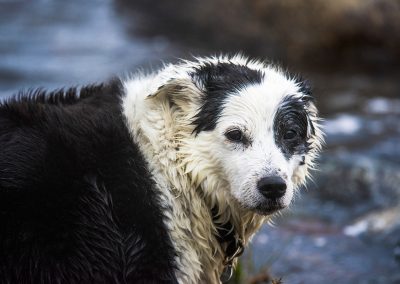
pixel 170 87
pixel 180 92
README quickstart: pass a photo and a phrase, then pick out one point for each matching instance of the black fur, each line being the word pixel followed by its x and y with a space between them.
pixel 292 116
pixel 220 81
pixel 304 87
pixel 77 203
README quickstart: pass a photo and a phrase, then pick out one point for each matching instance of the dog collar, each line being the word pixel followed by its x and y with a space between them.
pixel 236 249
pixel 234 246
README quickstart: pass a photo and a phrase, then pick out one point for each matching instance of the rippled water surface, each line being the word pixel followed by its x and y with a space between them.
pixel 62 43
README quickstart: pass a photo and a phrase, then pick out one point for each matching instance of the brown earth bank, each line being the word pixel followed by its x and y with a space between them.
pixel 344 34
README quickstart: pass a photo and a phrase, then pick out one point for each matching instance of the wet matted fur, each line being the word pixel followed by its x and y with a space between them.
pixel 133 180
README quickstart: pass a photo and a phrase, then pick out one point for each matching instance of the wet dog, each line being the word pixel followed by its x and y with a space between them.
pixel 159 178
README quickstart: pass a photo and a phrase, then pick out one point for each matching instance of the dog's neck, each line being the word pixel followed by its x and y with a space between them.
pixel 185 182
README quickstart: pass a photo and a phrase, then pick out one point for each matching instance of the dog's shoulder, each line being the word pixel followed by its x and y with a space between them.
pixel 74 184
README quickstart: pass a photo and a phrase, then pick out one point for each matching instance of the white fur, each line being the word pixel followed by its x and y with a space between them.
pixel 194 173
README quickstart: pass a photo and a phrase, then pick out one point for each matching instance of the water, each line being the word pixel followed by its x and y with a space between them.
pixel 341 230
pixel 62 43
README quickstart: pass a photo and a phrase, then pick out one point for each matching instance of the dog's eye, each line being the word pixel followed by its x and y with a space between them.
pixel 290 135
pixel 234 135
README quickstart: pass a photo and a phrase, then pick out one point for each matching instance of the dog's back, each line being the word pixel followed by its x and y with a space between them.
pixel 77 202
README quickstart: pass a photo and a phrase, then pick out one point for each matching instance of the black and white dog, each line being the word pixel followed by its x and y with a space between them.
pixel 161 178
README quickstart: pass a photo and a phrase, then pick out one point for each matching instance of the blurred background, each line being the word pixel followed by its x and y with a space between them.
pixel 345 226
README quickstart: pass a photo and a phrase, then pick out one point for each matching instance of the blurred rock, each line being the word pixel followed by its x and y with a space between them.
pixel 358 180
pixel 375 222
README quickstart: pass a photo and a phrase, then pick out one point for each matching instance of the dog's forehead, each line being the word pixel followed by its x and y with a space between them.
pixel 258 102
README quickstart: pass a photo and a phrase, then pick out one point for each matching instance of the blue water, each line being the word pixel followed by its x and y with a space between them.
pixel 62 43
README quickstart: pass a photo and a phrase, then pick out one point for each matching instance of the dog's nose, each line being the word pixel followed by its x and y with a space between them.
pixel 272 187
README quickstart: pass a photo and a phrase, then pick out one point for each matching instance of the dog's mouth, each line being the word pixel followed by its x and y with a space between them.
pixel 268 207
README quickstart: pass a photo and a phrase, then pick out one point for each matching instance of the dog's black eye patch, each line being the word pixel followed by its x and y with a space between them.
pixel 219 81
pixel 291 126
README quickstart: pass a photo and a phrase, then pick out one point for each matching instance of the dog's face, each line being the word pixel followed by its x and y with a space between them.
pixel 253 126
pixel 261 127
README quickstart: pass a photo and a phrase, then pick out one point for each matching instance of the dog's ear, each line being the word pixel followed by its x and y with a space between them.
pixel 179 92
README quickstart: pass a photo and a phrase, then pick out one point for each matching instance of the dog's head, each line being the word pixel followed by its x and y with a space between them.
pixel 256 127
